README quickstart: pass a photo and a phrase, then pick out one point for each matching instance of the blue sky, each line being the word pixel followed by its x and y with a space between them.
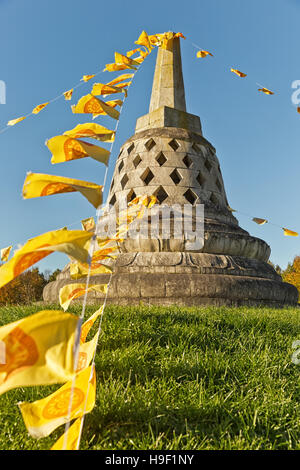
pixel 46 47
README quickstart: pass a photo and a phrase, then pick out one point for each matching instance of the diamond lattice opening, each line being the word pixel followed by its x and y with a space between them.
pixel 161 159
pixel 112 184
pixel 150 144
pixel 187 161
pixel 120 154
pixel 213 198
pixel 124 181
pixel 161 194
pixel 208 165
pixel 174 144
pixel 131 195
pixel 218 183
pixel 200 178
pixel 190 196
pixel 147 176
pixel 196 147
pixel 130 148
pixel 121 166
pixel 175 177
pixel 113 200
pixel 136 161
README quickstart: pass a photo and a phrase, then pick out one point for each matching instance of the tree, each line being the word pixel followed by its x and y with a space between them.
pixel 24 289
pixel 292 273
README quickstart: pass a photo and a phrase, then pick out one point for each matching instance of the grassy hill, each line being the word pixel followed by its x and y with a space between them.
pixel 182 378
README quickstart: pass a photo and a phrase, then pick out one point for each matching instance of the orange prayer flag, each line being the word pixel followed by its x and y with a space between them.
pixel 179 35
pixel 298 109
pixel 68 94
pixel 39 108
pixel 38 185
pixel 289 233
pixel 12 122
pixel 202 53
pixel 266 91
pixel 238 73
pixel 91 104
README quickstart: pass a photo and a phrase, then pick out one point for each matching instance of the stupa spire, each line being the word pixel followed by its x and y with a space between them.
pixel 168 85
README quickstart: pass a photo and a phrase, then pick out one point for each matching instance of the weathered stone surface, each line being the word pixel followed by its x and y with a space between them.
pixel 231 267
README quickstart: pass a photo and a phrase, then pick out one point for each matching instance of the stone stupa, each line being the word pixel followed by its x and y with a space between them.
pixel 169 158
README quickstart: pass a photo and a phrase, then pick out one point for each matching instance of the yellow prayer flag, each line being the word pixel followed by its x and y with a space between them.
pixel 71 292
pixel 289 233
pixel 121 59
pixel 4 253
pixel 104 89
pixel 238 73
pixel 179 35
pixel 91 104
pixel 89 323
pixel 86 78
pixel 93 131
pixel 259 221
pixel 121 78
pixel 86 353
pixel 202 53
pixel 68 94
pixel 266 91
pixel 112 104
pixel 74 243
pixel 132 52
pixel 38 184
pixel 39 108
pixel 65 149
pixel 72 440
pixel 144 40
pixel 43 416
pixel 116 67
pixel 12 122
pixel 39 350
pixel 81 270
pixel 298 109
pixel 88 224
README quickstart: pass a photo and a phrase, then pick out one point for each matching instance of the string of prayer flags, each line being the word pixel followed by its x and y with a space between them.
pixel 93 131
pixel 88 224
pixel 38 185
pixel 71 292
pixel 202 53
pixel 74 243
pixel 39 350
pixel 4 253
pixel 266 91
pixel 65 149
pixel 43 416
pixel 68 94
pixel 91 104
pixel 71 441
pixel 238 73
pixel 39 108
pixel 259 221
pixel 289 233
pixel 87 325
pixel 86 78
pixel 12 122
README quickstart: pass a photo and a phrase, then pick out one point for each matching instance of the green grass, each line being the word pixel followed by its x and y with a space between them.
pixel 182 378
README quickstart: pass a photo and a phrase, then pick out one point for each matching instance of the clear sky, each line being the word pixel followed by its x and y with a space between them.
pixel 46 47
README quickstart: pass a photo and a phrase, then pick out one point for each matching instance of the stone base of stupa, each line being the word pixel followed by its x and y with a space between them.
pixel 181 278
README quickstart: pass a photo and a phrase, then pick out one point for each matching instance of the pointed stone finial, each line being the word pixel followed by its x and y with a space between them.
pixel 167 105
pixel 168 86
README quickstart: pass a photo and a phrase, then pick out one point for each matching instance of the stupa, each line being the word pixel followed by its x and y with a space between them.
pixel 168 157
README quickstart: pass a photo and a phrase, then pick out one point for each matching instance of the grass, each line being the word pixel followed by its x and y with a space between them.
pixel 182 378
